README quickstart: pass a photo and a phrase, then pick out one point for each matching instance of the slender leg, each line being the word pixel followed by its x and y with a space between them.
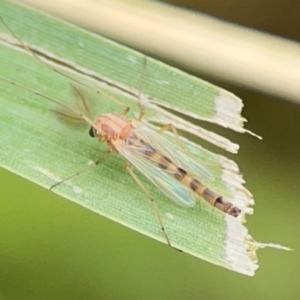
pixel 174 130
pixel 85 105
pixel 95 164
pixel 126 110
pixel 142 110
pixel 153 203
pixel 83 101
pixel 44 62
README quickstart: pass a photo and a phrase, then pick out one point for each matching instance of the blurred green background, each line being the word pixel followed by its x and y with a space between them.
pixel 53 249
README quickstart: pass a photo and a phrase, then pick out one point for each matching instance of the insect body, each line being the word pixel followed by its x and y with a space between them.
pixel 164 164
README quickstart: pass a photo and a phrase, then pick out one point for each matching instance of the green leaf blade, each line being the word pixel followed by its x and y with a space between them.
pixel 45 151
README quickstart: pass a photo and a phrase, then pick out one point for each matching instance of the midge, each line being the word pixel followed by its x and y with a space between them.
pixel 168 168
pixel 166 165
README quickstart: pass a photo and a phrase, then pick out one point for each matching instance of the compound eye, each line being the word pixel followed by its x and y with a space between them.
pixel 92 132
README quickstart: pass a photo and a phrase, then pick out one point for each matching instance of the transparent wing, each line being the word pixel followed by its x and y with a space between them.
pixel 173 152
pixel 172 188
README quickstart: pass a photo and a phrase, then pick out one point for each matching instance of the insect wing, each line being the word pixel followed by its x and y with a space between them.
pixel 174 152
pixel 172 188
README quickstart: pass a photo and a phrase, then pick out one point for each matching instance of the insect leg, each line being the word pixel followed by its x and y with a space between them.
pixel 89 167
pixel 142 110
pixel 174 130
pixel 153 203
pixel 45 62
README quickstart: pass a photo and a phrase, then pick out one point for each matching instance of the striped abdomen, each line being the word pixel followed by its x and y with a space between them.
pixel 182 176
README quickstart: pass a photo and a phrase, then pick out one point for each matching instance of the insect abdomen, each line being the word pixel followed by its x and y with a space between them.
pixel 200 189
pixel 213 198
pixel 182 176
